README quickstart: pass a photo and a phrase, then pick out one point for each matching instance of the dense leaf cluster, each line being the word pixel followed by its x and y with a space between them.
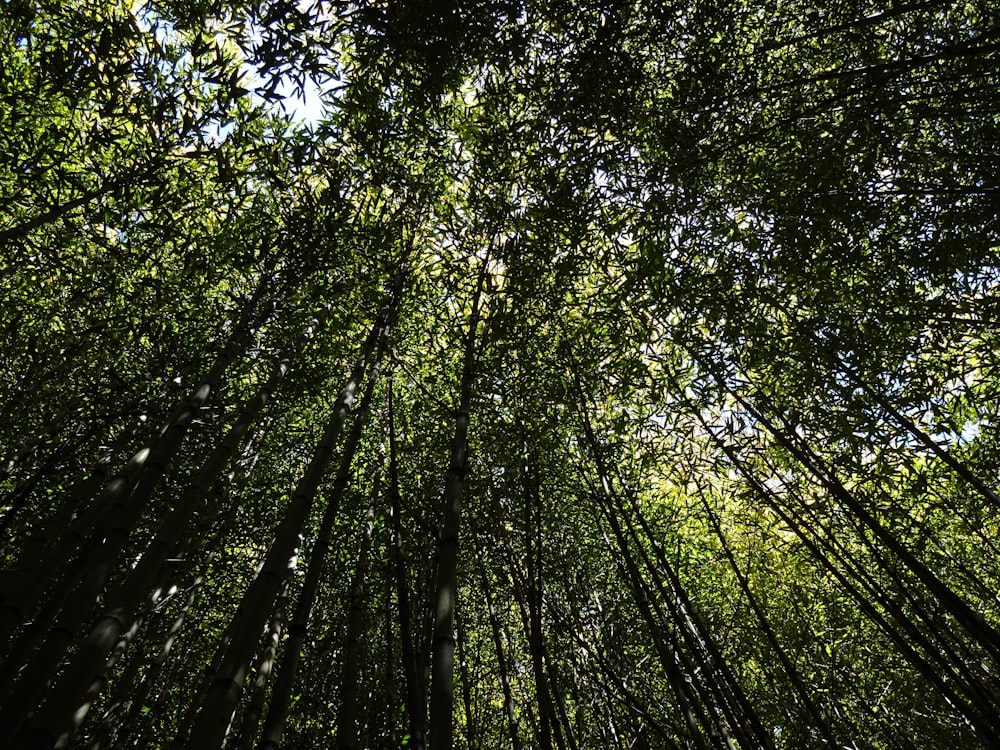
pixel 597 374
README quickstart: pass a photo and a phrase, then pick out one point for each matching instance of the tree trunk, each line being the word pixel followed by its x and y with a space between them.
pixel 213 721
pixel 281 697
pixel 904 635
pixel 411 671
pixel 71 602
pixel 347 720
pixel 265 665
pixel 502 663
pixel 61 713
pixel 548 722
pixel 441 726
pixel 100 532
pixel 691 710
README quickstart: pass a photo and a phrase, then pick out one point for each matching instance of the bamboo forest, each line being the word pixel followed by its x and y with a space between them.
pixel 513 375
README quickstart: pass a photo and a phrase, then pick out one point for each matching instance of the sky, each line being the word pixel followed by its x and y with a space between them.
pixel 305 107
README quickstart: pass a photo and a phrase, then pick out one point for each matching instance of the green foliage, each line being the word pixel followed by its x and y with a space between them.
pixel 732 461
